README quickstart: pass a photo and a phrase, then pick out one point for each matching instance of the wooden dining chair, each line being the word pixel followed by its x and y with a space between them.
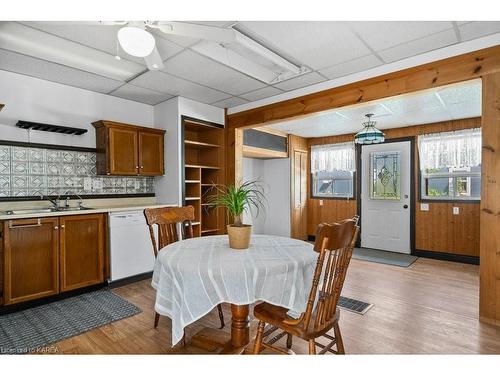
pixel 334 243
pixel 167 219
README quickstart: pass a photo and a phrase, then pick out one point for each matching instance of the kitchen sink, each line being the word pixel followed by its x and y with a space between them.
pixel 45 210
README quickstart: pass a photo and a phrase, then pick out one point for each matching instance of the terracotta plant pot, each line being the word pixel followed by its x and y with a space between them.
pixel 239 237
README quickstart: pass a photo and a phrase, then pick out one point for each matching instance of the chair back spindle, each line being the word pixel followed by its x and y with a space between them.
pixel 167 220
pixel 334 243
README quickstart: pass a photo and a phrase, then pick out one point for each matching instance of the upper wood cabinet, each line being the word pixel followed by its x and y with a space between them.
pixel 128 150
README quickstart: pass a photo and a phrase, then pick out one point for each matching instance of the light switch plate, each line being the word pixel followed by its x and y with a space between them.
pixel 424 206
pixel 456 210
pixel 137 184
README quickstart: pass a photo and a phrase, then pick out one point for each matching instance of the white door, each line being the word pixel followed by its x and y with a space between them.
pixel 385 196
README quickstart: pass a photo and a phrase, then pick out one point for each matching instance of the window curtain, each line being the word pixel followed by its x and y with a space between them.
pixel 333 157
pixel 450 149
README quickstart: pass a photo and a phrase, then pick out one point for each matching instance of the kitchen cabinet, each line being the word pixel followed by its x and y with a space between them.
pixel 128 150
pixel 46 256
pixel 31 259
pixel 81 244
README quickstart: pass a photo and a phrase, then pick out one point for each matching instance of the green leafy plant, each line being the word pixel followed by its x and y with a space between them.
pixel 238 199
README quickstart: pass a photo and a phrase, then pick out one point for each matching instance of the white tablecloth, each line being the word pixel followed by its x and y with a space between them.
pixel 193 276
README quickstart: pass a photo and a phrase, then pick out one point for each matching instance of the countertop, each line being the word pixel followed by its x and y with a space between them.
pixel 117 207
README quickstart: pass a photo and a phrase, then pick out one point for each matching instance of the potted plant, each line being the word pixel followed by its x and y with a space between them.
pixel 237 200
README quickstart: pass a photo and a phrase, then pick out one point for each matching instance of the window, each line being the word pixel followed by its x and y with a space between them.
pixel 332 170
pixel 450 165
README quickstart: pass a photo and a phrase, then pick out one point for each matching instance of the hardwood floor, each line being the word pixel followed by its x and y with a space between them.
pixel 429 308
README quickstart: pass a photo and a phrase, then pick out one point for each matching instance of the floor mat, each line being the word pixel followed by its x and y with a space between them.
pixel 384 257
pixel 31 330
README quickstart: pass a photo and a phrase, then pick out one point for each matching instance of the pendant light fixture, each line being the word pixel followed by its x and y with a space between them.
pixel 370 134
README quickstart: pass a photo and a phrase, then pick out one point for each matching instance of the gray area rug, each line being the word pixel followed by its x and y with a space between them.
pixel 384 257
pixel 31 330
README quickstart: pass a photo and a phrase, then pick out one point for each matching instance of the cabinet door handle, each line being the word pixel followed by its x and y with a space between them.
pixel 62 226
pixel 11 226
pixel 142 166
pixel 56 227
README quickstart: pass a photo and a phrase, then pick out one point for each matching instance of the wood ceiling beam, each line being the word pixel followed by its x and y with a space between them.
pixel 438 73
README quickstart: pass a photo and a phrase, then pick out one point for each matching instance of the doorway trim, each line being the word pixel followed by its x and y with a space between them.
pixel 412 188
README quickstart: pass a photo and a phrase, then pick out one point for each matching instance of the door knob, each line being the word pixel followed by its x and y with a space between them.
pixel 405 206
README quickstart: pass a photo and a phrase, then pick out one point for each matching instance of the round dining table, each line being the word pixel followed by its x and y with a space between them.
pixel 194 275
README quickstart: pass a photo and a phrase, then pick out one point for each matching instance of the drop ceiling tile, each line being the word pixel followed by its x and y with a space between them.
pixel 353 66
pixel 461 93
pixel 231 102
pixel 416 47
pixel 465 109
pixel 261 93
pixel 300 81
pixel 168 84
pixel 182 41
pixel 318 44
pixel 139 94
pixel 196 68
pixel 358 112
pixel 419 108
pixel 427 116
pixel 382 34
pixel 478 29
pixel 101 37
pixel 49 71
pixel 400 105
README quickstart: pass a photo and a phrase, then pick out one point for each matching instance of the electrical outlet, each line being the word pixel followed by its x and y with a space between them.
pixel 137 184
pixel 321 202
pixel 424 206
pixel 97 184
pixel 87 183
pixel 456 210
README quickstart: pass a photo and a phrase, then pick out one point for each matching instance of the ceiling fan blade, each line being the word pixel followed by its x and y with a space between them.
pixel 154 60
pixel 216 34
pixel 89 23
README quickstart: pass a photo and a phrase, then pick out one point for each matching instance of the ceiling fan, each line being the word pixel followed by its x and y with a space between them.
pixel 228 46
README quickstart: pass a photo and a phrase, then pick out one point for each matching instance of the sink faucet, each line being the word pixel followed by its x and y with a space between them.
pixel 55 202
pixel 67 202
pixel 80 202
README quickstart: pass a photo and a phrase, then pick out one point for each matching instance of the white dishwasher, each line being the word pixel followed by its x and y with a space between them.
pixel 131 251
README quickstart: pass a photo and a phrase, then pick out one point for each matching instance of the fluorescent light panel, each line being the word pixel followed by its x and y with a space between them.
pixel 28 41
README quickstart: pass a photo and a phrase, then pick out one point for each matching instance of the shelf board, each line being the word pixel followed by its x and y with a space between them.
pixel 209 230
pixel 200 166
pixel 192 181
pixel 202 145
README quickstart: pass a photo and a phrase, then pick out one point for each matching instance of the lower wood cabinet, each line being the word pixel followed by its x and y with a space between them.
pixel 46 256
pixel 81 247
pixel 31 259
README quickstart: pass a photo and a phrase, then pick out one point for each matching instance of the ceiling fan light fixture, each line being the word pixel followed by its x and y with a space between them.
pixel 136 41
pixel 370 134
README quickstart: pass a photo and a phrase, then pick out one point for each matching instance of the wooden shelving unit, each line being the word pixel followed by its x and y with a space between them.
pixel 204 161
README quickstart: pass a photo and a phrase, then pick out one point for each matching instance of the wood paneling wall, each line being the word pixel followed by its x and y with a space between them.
pixel 435 230
pixel 489 290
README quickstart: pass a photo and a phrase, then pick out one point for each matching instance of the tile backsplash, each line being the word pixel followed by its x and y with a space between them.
pixel 30 172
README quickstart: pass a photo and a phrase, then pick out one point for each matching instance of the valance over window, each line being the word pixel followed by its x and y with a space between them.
pixel 333 157
pixel 450 150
